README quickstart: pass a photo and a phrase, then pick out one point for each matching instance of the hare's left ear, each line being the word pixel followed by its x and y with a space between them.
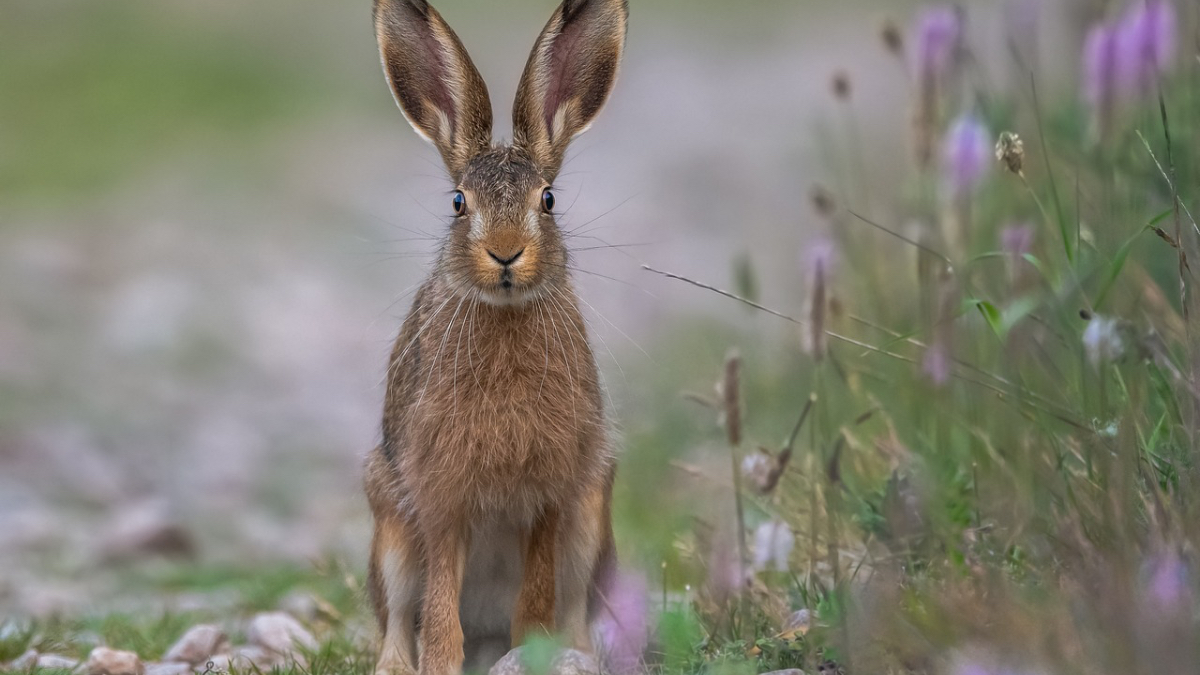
pixel 568 78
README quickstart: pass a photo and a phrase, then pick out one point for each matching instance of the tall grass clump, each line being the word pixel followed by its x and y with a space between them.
pixel 995 397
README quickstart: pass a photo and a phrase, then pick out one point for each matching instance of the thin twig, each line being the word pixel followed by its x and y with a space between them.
pixel 912 242
pixel 1061 414
pixel 1170 183
pixel 1037 113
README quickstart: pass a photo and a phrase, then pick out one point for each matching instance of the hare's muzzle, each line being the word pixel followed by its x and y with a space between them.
pixel 506 270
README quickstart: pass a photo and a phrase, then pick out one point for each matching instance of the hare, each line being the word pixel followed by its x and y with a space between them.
pixel 492 485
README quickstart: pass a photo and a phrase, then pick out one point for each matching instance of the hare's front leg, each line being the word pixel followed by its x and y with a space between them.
pixel 395 578
pixel 535 603
pixel 441 637
pixel 586 550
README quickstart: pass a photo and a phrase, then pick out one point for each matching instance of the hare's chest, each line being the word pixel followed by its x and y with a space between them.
pixel 508 429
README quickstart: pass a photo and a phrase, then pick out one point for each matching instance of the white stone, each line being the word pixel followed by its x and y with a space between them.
pixel 168 669
pixel 566 662
pixel 106 661
pixel 198 645
pixel 279 633
pixel 56 662
pixel 246 658
pixel 25 661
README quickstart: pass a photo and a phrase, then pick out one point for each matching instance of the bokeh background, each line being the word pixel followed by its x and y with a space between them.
pixel 212 217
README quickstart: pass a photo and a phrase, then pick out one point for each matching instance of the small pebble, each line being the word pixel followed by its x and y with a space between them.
pixel 249 657
pixel 25 661
pixel 56 662
pixel 169 668
pixel 567 662
pixel 279 633
pixel 106 661
pixel 198 644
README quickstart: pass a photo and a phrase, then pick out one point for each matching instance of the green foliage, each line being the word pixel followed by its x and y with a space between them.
pixel 15 638
pixel 1049 472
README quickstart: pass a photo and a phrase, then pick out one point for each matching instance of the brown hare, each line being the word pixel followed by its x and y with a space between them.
pixel 491 488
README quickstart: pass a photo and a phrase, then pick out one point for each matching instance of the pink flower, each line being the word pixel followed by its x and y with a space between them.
pixel 1017 240
pixel 966 156
pixel 1145 45
pixel 1168 584
pixel 1099 66
pixel 726 573
pixel 939 38
pixel 819 259
pixel 622 623
pixel 937 364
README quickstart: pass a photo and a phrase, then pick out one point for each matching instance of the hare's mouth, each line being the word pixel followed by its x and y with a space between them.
pixel 509 293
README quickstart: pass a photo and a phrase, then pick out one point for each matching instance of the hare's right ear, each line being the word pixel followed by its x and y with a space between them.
pixel 436 85
pixel 568 77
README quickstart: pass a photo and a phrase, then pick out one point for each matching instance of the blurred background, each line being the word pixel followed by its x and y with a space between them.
pixel 212 217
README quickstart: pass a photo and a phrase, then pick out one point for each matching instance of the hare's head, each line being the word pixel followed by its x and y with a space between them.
pixel 504 244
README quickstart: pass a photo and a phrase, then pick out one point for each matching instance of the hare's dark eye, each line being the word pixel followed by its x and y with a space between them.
pixel 460 203
pixel 547 200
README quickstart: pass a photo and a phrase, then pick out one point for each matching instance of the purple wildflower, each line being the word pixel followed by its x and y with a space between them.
pixel 819 259
pixel 966 156
pixel 1145 45
pixel 1016 241
pixel 1168 586
pixel 939 38
pixel 621 626
pixel 1099 66
pixel 726 573
pixel 937 363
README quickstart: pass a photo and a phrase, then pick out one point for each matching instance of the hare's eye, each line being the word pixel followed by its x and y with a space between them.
pixel 547 200
pixel 460 203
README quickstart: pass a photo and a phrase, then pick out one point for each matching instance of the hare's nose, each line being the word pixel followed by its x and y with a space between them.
pixel 506 261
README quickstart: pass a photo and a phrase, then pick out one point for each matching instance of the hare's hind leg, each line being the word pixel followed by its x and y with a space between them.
pixel 395 582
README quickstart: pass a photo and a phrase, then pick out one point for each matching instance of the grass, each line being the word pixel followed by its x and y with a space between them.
pixel 1027 506
pixel 1033 511
pixel 340 620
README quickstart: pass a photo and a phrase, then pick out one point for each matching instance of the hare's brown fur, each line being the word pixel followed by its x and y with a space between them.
pixel 491 488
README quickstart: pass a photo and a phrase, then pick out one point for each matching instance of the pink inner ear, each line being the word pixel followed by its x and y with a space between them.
pixel 438 89
pixel 563 62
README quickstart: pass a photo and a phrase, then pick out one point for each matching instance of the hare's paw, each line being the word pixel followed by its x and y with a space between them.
pixel 393 665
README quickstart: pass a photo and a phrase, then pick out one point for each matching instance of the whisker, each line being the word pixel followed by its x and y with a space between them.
pixel 546 337
pixel 618 329
pixel 607 392
pixel 566 361
pixel 608 212
pixel 420 331
pixel 425 235
pixel 438 358
pixel 458 349
pixel 612 246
